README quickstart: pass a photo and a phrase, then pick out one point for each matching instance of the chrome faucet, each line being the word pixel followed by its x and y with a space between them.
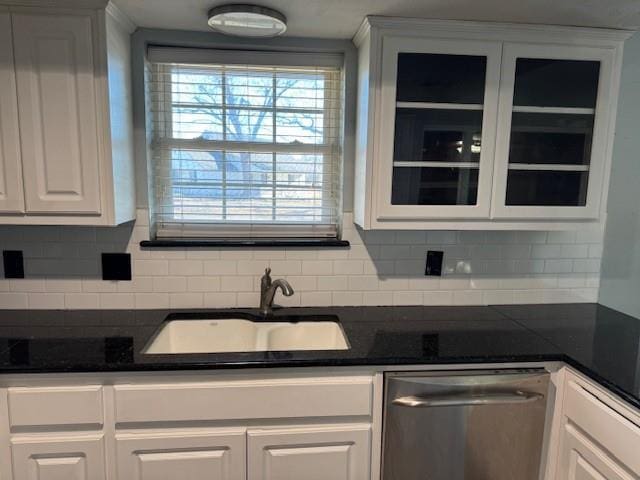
pixel 268 291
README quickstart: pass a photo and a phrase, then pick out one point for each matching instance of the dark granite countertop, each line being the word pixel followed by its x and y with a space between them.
pixel 600 342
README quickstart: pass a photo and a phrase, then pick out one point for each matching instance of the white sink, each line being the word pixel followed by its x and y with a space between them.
pixel 240 335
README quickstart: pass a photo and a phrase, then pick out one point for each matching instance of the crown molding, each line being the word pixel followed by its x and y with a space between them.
pixel 84 4
pixel 120 17
pixel 497 31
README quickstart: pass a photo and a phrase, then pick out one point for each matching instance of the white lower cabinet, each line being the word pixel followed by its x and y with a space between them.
pixel 599 437
pixel 309 453
pixel 208 455
pixel 58 457
pixel 582 459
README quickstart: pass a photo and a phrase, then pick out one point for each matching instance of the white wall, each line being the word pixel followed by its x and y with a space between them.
pixel 381 268
pixel 621 259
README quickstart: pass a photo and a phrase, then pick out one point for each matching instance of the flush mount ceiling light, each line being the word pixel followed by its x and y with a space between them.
pixel 247 20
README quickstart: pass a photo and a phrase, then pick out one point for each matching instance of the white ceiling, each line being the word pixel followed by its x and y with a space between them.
pixel 341 18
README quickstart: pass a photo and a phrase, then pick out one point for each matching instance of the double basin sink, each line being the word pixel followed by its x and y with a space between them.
pixel 202 333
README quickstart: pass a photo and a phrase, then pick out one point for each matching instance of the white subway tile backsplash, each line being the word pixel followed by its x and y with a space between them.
pixel 558 266
pixel 169 284
pixel 320 299
pixel 546 251
pixel 347 298
pixel 151 300
pixel 13 300
pixel 377 298
pixel 185 267
pixel 348 267
pixel 561 237
pixel 84 301
pixel 380 268
pixel 574 251
pixel 151 267
pixel 285 267
pixel 441 297
pixel 220 267
pixel 51 301
pixel 363 282
pixel 317 267
pixel 186 300
pixel 203 284
pixel 122 300
pixel 407 298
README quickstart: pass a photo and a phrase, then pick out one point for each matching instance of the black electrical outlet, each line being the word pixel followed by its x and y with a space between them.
pixel 116 266
pixel 434 263
pixel 13 263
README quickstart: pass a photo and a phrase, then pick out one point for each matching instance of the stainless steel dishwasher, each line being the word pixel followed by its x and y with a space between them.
pixel 464 425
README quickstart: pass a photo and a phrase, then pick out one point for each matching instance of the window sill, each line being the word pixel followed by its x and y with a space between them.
pixel 247 243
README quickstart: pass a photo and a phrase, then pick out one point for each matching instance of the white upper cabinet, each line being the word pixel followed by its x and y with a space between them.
pixel 437 107
pixel 75 154
pixel 11 195
pixel 57 109
pixel 554 123
pixel 466 126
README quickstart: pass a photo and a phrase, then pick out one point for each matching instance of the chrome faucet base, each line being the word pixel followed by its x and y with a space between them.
pixel 268 290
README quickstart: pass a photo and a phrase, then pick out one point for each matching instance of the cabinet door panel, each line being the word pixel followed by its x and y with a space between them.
pixel 555 119
pixel 186 456
pixel 336 453
pixel 438 106
pixel 58 458
pixel 58 117
pixel 11 195
pixel 582 459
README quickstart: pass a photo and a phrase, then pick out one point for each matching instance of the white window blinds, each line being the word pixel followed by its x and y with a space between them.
pixel 244 144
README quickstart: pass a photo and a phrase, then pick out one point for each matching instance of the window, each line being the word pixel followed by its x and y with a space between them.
pixel 245 144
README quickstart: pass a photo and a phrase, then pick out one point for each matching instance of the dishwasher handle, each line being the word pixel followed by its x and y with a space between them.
pixel 415 401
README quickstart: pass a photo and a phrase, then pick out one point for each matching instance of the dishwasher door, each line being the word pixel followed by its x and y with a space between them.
pixel 464 425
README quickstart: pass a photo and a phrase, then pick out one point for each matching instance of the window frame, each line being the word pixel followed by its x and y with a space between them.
pixel 332 152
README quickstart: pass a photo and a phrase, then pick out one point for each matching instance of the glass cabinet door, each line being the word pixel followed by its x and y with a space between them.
pixel 438 116
pixel 552 132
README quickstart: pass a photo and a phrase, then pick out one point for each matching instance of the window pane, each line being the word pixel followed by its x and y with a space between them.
pixel 429 77
pixel 434 186
pixel 190 123
pixel 300 127
pixel 300 90
pixel 430 135
pixel 249 125
pixel 556 83
pixel 547 188
pixel 246 146
pixel 249 89
pixel 190 86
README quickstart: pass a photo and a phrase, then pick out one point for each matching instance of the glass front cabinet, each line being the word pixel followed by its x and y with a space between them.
pixel 458 128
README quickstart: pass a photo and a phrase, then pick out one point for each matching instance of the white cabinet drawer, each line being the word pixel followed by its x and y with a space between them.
pixel 29 407
pixel 614 432
pixel 236 400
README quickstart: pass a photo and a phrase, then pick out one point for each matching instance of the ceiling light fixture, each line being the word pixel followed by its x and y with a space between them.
pixel 247 20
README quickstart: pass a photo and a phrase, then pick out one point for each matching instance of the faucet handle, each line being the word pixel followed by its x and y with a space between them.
pixel 265 281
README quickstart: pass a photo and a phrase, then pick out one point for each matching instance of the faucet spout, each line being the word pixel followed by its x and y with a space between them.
pixel 268 289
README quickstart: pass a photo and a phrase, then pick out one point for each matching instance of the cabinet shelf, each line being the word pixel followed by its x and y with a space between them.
pixel 555 167
pixel 440 106
pixel 558 110
pixel 438 164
